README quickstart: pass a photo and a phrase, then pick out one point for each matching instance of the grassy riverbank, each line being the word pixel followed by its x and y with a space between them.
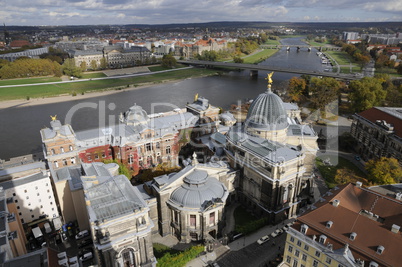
pixel 50 90
pixel 260 56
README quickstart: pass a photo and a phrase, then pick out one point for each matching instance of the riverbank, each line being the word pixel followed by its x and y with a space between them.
pixel 16 103
pixel 82 90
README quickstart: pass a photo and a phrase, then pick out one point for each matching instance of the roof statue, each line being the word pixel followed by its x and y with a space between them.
pixel 196 97
pixel 194 161
pixel 269 79
pixel 53 117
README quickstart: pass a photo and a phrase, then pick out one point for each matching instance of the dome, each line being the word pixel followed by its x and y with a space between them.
pixel 267 112
pixel 197 190
pixel 135 115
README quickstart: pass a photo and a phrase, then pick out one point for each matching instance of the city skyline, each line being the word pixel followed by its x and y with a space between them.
pixel 92 12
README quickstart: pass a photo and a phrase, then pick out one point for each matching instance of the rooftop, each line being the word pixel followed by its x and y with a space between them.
pixel 368 214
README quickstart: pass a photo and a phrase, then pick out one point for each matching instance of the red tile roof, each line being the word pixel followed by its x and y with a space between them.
pixel 374 114
pixel 349 216
pixel 19 43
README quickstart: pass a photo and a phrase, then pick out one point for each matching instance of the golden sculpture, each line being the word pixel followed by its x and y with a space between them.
pixel 196 97
pixel 53 117
pixel 269 79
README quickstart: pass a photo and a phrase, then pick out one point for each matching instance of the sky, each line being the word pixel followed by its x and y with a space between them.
pixel 94 12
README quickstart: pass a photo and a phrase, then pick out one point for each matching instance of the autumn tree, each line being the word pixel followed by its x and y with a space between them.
pixel 103 63
pixel 344 176
pixel 168 61
pixel 384 171
pixel 323 91
pixel 83 66
pixel 366 93
pixel 237 59
pixel 70 69
pixel 297 87
pixel 94 65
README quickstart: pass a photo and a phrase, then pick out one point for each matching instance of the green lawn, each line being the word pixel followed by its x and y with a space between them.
pixel 93 75
pixel 314 43
pixel 341 57
pixel 159 68
pixel 29 80
pixel 160 250
pixel 328 172
pixel 347 69
pixel 246 223
pixel 272 42
pixel 259 57
pixel 47 90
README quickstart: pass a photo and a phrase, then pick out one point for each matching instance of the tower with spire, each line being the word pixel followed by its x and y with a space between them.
pixel 7 38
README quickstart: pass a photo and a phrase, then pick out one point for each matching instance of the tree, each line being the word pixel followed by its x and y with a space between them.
pixel 103 63
pixel 94 65
pixel 366 93
pixel 384 171
pixel 168 61
pixel 4 62
pixel 83 66
pixel 70 69
pixel 297 87
pixel 343 176
pixel 323 91
pixel 238 59
pixel 399 68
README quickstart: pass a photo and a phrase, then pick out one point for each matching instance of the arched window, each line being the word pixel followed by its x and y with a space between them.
pixel 128 257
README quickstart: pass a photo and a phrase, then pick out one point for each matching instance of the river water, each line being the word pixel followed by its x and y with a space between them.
pixel 20 126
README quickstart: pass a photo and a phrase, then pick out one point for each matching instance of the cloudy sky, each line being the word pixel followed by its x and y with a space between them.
pixel 81 12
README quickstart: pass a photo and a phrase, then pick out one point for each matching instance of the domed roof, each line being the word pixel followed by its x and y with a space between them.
pixel 197 190
pixel 267 112
pixel 135 115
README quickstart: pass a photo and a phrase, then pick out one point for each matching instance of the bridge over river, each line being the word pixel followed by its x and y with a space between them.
pixel 255 68
pixel 304 47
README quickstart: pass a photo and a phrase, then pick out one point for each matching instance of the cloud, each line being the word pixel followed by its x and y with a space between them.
pixel 178 11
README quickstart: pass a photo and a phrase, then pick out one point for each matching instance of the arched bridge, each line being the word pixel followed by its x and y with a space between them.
pixel 255 68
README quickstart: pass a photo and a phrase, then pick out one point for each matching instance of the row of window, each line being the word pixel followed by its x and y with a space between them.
pixel 64 161
pixel 61 150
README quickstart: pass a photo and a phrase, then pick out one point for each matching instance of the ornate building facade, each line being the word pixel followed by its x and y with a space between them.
pixel 190 203
pixel 119 219
pixel 378 133
pixel 275 154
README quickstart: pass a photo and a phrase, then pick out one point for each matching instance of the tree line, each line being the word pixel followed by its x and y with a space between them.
pixel 362 94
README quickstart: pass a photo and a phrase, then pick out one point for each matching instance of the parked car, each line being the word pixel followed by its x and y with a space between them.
pixel 287 226
pixel 85 251
pixel 85 243
pixel 48 228
pixel 82 234
pixel 276 232
pixel 357 157
pixel 263 239
pixel 86 256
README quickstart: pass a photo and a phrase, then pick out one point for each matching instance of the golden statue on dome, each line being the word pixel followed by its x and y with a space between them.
pixel 269 79
pixel 53 117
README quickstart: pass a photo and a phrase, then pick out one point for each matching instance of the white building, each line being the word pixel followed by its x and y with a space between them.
pixel 30 187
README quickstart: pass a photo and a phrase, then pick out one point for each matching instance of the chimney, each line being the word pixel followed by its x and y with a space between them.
pixel 398 196
pixel 359 184
pixel 335 203
pixel 395 228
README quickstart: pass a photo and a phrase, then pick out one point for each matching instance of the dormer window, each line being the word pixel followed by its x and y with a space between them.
pixel 322 239
pixel 380 250
pixel 373 264
pixel 329 224
pixel 352 236
pixel 304 228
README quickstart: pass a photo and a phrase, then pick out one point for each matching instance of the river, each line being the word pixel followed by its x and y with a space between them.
pixel 20 126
